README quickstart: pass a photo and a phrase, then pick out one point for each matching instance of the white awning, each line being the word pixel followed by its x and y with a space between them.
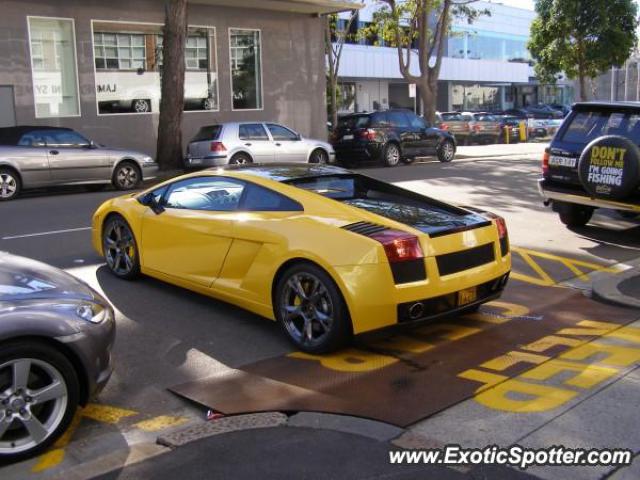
pixel 293 6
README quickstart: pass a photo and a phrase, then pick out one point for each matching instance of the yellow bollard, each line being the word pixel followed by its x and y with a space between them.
pixel 523 131
pixel 506 133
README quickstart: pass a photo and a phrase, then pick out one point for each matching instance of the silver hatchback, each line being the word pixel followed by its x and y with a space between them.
pixel 253 142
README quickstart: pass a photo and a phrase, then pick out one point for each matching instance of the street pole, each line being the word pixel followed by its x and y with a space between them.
pixel 626 80
pixel 638 81
pixel 613 82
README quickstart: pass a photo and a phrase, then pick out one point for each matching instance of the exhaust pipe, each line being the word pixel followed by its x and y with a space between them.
pixel 416 310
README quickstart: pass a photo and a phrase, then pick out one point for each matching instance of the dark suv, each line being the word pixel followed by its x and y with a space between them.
pixel 594 162
pixel 389 137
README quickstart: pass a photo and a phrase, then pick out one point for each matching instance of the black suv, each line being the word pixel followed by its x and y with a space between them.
pixel 389 137
pixel 594 162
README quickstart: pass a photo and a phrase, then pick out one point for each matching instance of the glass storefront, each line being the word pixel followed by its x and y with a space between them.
pixel 53 67
pixel 128 63
pixel 476 45
pixel 246 69
pixel 476 97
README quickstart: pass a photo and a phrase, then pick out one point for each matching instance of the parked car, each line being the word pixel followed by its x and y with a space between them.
pixel 44 156
pixel 485 127
pixel 389 137
pixel 457 124
pixel 324 251
pixel 565 109
pixel 594 162
pixel 56 335
pixel 253 142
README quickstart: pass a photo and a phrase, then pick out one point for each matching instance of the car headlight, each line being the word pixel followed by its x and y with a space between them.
pixel 92 312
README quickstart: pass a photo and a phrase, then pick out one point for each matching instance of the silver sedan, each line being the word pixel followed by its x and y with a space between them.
pixel 253 142
pixel 56 335
pixel 45 156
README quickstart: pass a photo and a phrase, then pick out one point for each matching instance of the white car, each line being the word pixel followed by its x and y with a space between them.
pixel 253 142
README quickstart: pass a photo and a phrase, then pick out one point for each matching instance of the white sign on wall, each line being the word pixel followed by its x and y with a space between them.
pixel 412 90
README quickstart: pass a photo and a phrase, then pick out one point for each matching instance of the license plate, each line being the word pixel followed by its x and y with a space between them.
pixel 468 295
pixel 196 161
pixel 562 161
pixel 347 137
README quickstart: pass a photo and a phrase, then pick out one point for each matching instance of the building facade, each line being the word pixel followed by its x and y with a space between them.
pixel 96 66
pixel 486 66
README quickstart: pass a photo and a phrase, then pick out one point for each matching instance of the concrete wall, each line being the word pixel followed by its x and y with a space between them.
pixel 292 66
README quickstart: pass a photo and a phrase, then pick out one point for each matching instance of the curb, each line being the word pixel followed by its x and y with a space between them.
pixel 606 288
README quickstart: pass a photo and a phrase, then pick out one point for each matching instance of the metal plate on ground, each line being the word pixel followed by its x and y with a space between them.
pixel 405 376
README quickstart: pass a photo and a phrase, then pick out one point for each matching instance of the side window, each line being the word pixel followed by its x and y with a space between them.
pixel 65 138
pixel 398 119
pixel 32 139
pixel 417 122
pixel 260 199
pixel 215 194
pixel 278 132
pixel 252 131
pixel 380 120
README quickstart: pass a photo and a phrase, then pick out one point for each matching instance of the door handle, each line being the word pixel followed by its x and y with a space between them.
pixel 54 152
pixel 247 144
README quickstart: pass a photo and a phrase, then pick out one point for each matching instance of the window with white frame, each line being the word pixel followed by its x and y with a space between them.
pixel 53 67
pixel 195 52
pixel 246 68
pixel 119 51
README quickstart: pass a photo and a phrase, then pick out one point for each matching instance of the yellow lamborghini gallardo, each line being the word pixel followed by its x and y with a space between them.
pixel 326 252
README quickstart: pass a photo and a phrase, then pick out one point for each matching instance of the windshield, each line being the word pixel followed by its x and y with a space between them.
pixel 354 121
pixel 211 132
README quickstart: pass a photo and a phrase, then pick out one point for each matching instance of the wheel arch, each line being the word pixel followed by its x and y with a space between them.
pixel 241 151
pixel 315 148
pixel 127 159
pixel 14 169
pixel 74 359
pixel 301 260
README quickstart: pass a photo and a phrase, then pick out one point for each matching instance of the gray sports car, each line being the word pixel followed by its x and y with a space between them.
pixel 56 335
pixel 45 156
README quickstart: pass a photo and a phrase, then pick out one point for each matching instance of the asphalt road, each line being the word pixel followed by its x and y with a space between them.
pixel 168 335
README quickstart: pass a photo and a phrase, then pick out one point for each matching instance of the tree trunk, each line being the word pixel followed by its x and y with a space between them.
pixel 169 152
pixel 428 95
pixel 583 87
pixel 333 81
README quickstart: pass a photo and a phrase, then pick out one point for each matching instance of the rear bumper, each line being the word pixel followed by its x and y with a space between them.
pixel 376 302
pixel 150 170
pixel 193 163
pixel 555 193
pixel 357 152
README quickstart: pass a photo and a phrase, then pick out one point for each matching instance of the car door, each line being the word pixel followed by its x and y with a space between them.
pixel 289 145
pixel 188 237
pixel 427 137
pixel 409 140
pixel 249 264
pixel 30 155
pixel 253 137
pixel 73 158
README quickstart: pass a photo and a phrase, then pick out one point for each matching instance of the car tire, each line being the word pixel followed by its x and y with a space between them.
pixel 46 366
pixel 573 215
pixel 391 155
pixel 120 248
pixel 240 159
pixel 208 104
pixel 126 176
pixel 446 151
pixel 10 184
pixel 140 105
pixel 301 317
pixel 319 156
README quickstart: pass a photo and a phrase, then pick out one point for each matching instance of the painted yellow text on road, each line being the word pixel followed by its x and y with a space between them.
pixel 582 366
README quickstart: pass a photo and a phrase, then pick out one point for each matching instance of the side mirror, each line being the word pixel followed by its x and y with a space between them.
pixel 91 145
pixel 149 200
pixel 298 137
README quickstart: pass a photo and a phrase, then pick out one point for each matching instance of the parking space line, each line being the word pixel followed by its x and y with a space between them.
pixel 42 234
pixel 160 423
pixel 55 456
pixel 106 413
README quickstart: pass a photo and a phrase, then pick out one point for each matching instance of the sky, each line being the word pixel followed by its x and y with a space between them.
pixel 528 4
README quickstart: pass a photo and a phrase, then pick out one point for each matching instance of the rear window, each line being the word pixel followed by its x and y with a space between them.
pixel 452 117
pixel 587 126
pixel 354 121
pixel 210 132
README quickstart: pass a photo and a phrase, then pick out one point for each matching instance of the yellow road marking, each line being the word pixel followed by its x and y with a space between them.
pixel 55 456
pixel 159 423
pixel 106 413
pixel 544 279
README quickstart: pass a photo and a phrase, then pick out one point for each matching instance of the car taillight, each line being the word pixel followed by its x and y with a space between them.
pixel 476 128
pixel 366 134
pixel 217 147
pixel 502 226
pixel 545 164
pixel 399 246
pixel 444 126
